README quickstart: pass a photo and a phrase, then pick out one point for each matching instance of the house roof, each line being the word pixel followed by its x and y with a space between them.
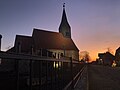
pixel 118 50
pixel 52 40
pixel 11 50
pixel 25 42
pixel 108 56
pixel 44 39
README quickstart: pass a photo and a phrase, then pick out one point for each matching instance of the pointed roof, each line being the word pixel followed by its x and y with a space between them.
pixel 64 17
pixel 64 22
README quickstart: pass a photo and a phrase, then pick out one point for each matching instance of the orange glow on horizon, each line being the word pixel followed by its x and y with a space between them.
pixel 94 53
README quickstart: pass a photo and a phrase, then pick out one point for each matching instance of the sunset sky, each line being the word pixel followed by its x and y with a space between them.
pixel 95 23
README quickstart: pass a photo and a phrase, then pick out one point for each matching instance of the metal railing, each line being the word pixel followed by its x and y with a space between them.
pixel 28 72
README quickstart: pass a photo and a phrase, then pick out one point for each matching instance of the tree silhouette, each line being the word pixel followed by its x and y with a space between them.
pixel 84 56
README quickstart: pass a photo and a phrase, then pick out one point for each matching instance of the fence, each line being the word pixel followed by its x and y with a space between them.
pixel 28 72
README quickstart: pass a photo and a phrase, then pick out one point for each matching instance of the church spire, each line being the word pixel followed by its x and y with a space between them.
pixel 64 27
pixel 63 5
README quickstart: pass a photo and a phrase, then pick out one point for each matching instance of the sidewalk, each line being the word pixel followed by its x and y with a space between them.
pixel 82 82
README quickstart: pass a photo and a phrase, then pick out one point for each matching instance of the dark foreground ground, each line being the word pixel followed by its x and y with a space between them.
pixel 103 78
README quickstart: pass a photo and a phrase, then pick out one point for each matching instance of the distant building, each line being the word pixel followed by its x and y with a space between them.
pixel 117 56
pixel 106 58
pixel 100 59
pixel 58 44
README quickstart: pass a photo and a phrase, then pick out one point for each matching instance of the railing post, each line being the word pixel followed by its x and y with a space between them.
pixel 17 73
pixel 30 78
pixel 51 74
pixel 55 75
pixel 40 74
pixel 30 74
pixel 46 75
pixel 18 50
pixel 62 76
pixel 58 80
pixel 71 66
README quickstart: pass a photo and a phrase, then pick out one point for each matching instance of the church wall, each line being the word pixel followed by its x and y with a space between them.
pixel 68 53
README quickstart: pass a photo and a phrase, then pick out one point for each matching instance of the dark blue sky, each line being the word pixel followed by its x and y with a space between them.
pixel 95 23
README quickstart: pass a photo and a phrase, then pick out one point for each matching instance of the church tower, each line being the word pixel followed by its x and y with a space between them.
pixel 64 27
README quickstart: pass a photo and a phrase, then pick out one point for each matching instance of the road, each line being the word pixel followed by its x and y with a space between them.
pixel 103 78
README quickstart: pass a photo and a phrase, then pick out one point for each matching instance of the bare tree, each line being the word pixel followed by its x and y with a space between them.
pixel 84 56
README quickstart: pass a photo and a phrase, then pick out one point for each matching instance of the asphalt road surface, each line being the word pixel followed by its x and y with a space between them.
pixel 103 78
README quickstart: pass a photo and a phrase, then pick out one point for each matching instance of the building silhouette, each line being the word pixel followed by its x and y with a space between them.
pixel 54 44
pixel 42 72
pixel 117 56
pixel 106 58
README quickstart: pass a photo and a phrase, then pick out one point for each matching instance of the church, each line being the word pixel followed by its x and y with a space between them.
pixel 58 44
